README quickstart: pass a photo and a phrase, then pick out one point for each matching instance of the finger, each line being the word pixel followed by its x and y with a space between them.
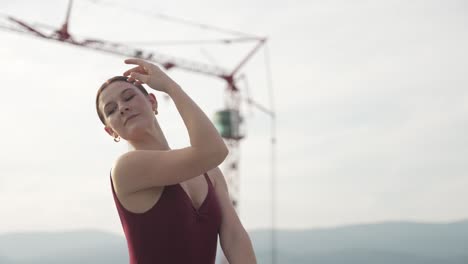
pixel 134 81
pixel 135 69
pixel 139 77
pixel 131 78
pixel 127 72
pixel 140 62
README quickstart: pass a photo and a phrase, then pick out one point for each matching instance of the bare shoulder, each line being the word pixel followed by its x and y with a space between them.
pixel 115 180
pixel 217 177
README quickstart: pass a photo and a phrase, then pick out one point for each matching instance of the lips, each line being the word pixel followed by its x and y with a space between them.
pixel 130 117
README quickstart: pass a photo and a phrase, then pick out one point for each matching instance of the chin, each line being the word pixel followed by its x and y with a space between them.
pixel 135 132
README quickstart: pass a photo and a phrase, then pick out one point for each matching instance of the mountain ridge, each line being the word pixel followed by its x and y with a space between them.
pixel 402 242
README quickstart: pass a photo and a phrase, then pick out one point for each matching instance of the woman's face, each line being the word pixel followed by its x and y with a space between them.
pixel 127 111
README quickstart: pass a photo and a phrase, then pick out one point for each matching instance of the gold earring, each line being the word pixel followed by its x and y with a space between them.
pixel 117 139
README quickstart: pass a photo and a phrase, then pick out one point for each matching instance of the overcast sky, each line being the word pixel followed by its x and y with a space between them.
pixel 371 100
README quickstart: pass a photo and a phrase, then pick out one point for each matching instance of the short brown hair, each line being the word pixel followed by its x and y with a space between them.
pixel 111 80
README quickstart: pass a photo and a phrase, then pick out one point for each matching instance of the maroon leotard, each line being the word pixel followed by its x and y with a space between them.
pixel 173 231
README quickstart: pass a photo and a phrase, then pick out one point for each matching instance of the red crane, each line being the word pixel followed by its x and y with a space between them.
pixel 63 35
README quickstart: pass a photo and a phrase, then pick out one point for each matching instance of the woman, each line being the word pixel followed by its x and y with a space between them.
pixel 172 203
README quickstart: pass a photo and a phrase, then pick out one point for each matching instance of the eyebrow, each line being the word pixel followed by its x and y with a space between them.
pixel 120 95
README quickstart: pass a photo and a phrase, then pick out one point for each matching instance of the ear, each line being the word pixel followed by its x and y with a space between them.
pixel 109 131
pixel 154 102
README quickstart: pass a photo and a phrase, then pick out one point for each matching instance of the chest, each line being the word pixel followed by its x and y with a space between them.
pixel 196 190
pixel 193 191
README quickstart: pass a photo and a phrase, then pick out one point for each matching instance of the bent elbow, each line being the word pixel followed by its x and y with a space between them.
pixel 220 155
pixel 220 150
pixel 224 151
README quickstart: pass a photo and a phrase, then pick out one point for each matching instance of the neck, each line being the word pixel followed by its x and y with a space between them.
pixel 155 140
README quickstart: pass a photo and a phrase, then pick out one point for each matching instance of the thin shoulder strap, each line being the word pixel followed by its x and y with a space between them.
pixel 111 181
pixel 208 179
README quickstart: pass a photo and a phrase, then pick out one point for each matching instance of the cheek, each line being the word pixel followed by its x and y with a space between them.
pixel 141 105
pixel 113 120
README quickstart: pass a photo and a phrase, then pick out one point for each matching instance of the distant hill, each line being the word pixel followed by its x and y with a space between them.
pixel 395 242
pixel 26 246
pixel 391 242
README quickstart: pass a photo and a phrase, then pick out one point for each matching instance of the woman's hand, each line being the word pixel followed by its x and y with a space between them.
pixel 150 74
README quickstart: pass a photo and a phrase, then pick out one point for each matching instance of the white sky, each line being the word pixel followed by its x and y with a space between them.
pixel 371 100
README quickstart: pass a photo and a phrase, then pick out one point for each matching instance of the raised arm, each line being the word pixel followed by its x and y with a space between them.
pixel 141 169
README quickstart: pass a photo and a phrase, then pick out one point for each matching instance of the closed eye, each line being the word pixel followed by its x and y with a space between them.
pixel 111 111
pixel 126 100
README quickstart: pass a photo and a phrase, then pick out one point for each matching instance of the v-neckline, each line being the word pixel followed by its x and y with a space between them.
pixel 191 201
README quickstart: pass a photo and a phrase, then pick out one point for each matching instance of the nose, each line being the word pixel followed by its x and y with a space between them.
pixel 124 109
